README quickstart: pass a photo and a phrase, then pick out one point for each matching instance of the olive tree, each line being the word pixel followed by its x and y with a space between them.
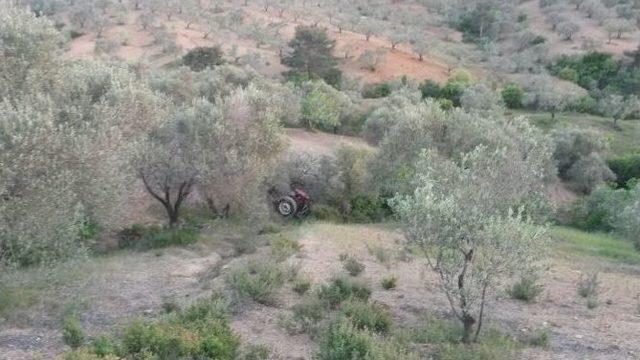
pixel 480 98
pixel 28 51
pixel 322 107
pixel 237 143
pixel 468 217
pixel 618 107
pixel 166 164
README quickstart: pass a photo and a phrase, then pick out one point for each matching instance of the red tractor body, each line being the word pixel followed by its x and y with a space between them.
pixel 296 203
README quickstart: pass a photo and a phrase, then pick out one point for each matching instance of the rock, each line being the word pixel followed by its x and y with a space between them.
pixel 578 336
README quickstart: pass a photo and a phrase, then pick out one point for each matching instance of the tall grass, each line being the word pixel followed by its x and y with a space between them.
pixel 576 242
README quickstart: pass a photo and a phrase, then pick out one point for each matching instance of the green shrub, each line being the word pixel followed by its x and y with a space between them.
pixel 201 58
pixel 526 289
pixel 340 289
pixel 306 315
pixel 353 266
pixel 343 341
pixel 430 89
pixel 569 74
pixel 376 91
pixel 592 303
pixel 512 96
pixel 327 213
pixel 257 281
pixel 72 332
pixel 143 238
pixel 389 282
pixel 283 246
pixel 365 315
pixel 103 346
pixel 626 168
pixel 200 331
pixel 367 209
pixel 586 104
pixel 301 285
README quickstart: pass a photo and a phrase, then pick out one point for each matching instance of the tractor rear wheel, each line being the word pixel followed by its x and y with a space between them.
pixel 286 206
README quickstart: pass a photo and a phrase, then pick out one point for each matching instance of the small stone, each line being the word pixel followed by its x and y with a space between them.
pixel 578 336
pixel 609 302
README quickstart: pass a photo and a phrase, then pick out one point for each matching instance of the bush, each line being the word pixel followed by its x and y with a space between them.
pixel 588 287
pixel 141 237
pixel 341 289
pixel 72 333
pixel 430 89
pixel 389 282
pixel 343 341
pixel 368 209
pixel 577 155
pixel 257 281
pixel 327 213
pixel 527 289
pixel 376 91
pixel 585 104
pixel 366 315
pixel 202 331
pixel 592 303
pixel 283 246
pixel 626 168
pixel 512 96
pixel 301 285
pixel 201 58
pixel 306 315
pixel 353 266
pixel 103 346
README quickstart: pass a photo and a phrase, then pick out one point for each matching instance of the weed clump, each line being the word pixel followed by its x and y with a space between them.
pixel 365 315
pixel 72 333
pixel 527 289
pixel 199 332
pixel 588 287
pixel 341 289
pixel 283 246
pixel 341 340
pixel 301 285
pixel 257 281
pixel 353 266
pixel 389 282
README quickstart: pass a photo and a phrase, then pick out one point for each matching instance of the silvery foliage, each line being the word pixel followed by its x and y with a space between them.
pixel 469 216
pixel 425 125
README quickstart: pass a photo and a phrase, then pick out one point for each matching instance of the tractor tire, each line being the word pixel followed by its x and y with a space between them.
pixel 286 206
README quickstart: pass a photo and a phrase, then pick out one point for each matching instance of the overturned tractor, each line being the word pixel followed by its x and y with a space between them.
pixel 296 203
